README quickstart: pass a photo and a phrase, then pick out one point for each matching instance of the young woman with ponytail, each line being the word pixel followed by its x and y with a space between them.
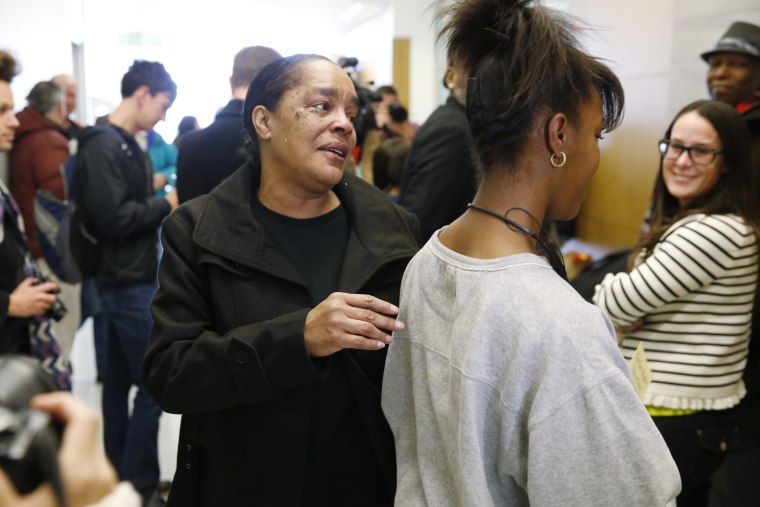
pixel 505 387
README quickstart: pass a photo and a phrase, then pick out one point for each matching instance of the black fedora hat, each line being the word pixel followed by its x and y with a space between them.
pixel 741 38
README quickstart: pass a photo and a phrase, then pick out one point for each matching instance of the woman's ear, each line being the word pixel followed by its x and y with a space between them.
pixel 556 132
pixel 260 118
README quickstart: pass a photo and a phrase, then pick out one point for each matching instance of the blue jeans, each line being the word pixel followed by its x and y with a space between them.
pixel 91 307
pixel 131 443
pixel 698 443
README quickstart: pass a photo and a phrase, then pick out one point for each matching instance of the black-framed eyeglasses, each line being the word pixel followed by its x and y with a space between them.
pixel 700 155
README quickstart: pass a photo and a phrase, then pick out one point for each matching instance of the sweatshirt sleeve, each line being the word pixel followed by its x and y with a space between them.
pixel 610 453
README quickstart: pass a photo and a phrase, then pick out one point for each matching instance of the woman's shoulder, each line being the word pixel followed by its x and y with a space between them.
pixel 714 228
pixel 374 206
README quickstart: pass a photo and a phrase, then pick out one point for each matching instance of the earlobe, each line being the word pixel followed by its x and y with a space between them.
pixel 260 119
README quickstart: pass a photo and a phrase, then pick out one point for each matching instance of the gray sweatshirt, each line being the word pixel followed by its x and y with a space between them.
pixel 506 388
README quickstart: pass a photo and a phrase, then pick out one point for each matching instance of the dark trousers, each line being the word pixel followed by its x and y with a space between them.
pixel 698 444
pixel 737 482
pixel 91 307
pixel 131 441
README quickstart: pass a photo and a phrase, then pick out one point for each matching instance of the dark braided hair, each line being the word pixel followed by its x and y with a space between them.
pixel 521 60
pixel 266 89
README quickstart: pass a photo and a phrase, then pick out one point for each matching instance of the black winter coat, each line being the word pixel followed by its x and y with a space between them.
pixel 113 185
pixel 439 174
pixel 749 408
pixel 227 349
pixel 206 157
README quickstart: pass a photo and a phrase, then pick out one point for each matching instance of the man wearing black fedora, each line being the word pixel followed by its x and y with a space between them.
pixel 734 77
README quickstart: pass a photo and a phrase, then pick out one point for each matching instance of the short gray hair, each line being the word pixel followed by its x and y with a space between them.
pixel 45 96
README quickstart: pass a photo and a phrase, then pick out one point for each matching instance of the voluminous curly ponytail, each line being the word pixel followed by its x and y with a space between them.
pixel 521 60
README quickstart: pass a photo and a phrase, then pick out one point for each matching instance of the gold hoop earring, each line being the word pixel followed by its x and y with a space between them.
pixel 558 164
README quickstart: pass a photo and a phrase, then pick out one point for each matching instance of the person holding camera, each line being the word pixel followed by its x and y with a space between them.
pixel 25 299
pixel 87 475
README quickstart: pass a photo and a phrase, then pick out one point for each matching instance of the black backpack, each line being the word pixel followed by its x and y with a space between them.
pixel 53 218
pixel 70 244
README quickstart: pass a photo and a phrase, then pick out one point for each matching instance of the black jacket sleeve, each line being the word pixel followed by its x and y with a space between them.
pixel 439 167
pixel 107 187
pixel 190 368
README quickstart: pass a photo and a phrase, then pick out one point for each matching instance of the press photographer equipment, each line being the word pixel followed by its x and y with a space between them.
pixel 58 310
pixel 365 120
pixel 29 438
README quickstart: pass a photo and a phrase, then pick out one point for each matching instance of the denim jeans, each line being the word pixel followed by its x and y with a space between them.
pixel 698 444
pixel 91 307
pixel 131 442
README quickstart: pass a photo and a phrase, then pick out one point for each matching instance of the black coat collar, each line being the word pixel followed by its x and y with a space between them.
pixel 380 231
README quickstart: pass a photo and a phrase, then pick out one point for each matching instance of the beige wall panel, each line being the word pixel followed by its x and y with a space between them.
pixel 620 190
pixel 635 39
pixel 654 48
pixel 401 52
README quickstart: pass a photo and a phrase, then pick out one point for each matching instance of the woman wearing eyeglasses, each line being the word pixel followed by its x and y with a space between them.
pixel 690 291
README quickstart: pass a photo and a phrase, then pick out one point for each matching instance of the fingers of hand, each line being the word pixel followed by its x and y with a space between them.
pixel 48 287
pixel 42 496
pixel 28 282
pixel 378 320
pixel 370 303
pixel 361 343
pixel 343 318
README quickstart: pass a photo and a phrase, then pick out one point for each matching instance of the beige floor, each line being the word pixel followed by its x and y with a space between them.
pixel 86 388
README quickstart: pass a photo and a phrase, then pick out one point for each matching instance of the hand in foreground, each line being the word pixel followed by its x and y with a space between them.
pixel 172 199
pixel 29 299
pixel 87 474
pixel 43 496
pixel 159 181
pixel 349 321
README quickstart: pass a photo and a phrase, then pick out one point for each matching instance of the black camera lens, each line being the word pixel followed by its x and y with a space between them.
pixel 29 439
pixel 58 310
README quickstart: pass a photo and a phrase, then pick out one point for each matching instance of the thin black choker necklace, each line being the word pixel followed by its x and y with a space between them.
pixel 553 254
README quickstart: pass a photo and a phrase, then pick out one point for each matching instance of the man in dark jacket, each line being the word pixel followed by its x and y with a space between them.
pixel 439 175
pixel 113 189
pixel 734 77
pixel 208 156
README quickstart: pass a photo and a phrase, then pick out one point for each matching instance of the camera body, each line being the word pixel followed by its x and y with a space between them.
pixel 365 120
pixel 29 438
pixel 58 310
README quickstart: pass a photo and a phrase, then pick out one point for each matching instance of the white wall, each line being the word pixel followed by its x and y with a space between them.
pixel 697 26
pixel 654 47
pixel 372 43
pixel 36 36
pixel 413 19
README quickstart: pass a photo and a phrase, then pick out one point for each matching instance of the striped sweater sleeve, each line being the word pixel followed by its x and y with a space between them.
pixel 693 253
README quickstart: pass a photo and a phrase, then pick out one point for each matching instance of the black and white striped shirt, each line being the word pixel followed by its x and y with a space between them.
pixel 695 293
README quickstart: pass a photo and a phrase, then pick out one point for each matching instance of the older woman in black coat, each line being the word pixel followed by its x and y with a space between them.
pixel 276 303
